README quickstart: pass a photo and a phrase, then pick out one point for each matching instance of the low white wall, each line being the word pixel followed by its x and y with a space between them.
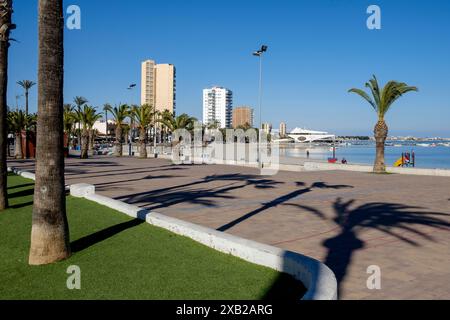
pixel 319 280
pixel 323 166
pixel 24 174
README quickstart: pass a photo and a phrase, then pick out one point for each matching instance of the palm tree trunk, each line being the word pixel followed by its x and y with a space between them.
pixel 5 20
pixel 381 132
pixel 118 146
pixel 18 146
pixel 84 144
pixel 91 140
pixel 26 127
pixel 50 230
pixel 143 146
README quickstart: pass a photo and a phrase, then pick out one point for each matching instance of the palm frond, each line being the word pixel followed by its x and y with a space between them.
pixel 364 95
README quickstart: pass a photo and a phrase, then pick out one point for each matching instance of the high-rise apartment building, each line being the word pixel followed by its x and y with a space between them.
pixel 217 106
pixel 267 127
pixel 242 116
pixel 282 129
pixel 158 85
pixel 148 82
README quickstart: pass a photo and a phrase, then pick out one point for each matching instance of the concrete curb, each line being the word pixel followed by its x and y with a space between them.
pixel 24 174
pixel 317 277
pixel 322 166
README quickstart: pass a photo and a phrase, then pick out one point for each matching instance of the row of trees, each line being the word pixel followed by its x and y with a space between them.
pixel 143 118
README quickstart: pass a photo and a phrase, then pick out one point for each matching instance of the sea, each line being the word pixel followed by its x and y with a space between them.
pixel 435 154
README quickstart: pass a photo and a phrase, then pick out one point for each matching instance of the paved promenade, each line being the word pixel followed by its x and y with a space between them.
pixel 348 220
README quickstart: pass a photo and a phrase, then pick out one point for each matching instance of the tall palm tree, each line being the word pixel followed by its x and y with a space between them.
pixel 5 27
pixel 381 102
pixel 26 85
pixel 143 116
pixel 119 114
pixel 50 230
pixel 17 122
pixel 79 102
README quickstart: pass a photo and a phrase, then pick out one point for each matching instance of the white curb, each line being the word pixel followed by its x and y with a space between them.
pixel 319 280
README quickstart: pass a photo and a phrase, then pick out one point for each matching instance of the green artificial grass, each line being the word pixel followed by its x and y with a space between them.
pixel 123 258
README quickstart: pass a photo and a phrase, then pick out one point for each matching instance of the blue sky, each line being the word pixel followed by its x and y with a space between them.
pixel 318 49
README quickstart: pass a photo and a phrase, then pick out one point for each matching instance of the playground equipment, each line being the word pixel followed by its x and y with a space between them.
pixel 407 160
pixel 333 159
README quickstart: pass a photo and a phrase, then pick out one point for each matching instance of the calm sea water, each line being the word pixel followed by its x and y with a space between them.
pixel 426 157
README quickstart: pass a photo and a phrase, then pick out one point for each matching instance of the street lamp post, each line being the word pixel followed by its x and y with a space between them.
pixel 131 87
pixel 17 101
pixel 154 134
pixel 259 54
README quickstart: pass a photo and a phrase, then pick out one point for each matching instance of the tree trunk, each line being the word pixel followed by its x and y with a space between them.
pixel 91 140
pixel 142 145
pixel 84 144
pixel 118 144
pixel 5 20
pixel 50 230
pixel 381 132
pixel 18 146
pixel 26 126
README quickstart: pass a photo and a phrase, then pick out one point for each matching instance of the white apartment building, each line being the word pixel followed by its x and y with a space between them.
pixel 217 106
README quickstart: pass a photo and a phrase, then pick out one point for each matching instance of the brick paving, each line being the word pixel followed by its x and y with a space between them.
pixel 348 220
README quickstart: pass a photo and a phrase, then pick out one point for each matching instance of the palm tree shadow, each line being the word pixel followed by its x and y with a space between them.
pixel 21 186
pixel 389 218
pixel 205 196
pixel 281 200
pixel 99 236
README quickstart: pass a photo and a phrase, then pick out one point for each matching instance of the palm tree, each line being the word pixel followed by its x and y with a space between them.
pixel 50 230
pixel 17 122
pixel 87 118
pixel 119 113
pixel 5 27
pixel 173 123
pixel 92 117
pixel 26 85
pixel 166 114
pixel 79 102
pixel 381 101
pixel 69 119
pixel 31 122
pixel 143 116
pixel 214 125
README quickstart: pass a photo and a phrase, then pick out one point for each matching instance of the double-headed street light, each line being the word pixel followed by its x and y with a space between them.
pixel 259 54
